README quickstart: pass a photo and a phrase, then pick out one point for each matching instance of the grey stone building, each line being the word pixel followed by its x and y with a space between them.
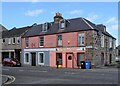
pixel 11 42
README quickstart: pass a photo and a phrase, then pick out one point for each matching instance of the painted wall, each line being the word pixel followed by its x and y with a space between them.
pixel 70 39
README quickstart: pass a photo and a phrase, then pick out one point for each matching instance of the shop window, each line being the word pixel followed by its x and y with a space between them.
pixel 59 58
pixel 80 57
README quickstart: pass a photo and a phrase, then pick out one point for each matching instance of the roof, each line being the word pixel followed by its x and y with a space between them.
pixel 75 24
pixel 2 28
pixel 15 32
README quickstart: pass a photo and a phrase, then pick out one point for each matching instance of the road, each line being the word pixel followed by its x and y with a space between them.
pixel 47 75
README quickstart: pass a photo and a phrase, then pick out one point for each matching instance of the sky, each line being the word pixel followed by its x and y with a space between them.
pixel 20 14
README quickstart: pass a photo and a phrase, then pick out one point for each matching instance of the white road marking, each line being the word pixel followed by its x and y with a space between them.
pixel 5 69
pixel 37 71
pixel 12 79
pixel 70 73
pixel 21 70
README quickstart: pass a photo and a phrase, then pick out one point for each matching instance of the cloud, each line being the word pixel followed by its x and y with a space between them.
pixel 113 27
pixel 93 17
pixel 34 12
pixel 112 20
pixel 75 12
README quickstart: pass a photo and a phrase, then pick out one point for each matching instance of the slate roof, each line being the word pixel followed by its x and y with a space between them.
pixel 15 32
pixel 75 24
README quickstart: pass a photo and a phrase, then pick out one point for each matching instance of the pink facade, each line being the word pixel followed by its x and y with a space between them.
pixel 66 52
pixel 50 41
pixel 70 39
pixel 69 48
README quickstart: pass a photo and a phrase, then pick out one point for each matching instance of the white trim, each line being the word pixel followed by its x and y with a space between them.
pixel 87 23
pixel 42 49
pixel 39 58
pixel 25 58
pixel 13 40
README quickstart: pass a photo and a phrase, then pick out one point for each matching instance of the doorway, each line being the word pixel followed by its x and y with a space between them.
pixel 69 60
pixel 33 55
pixel 102 58
pixel 59 59
pixel 110 59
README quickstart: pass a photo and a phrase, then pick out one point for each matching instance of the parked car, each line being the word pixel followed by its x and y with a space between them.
pixel 117 59
pixel 11 62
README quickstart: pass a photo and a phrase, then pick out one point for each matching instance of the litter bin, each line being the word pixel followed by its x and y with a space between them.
pixel 82 64
pixel 88 64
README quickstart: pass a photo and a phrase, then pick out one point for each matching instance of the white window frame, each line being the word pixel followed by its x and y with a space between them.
pixel 9 40
pixel 13 40
pixel 59 41
pixel 39 58
pixel 28 42
pixel 114 44
pixel 18 38
pixel 81 35
pixel 110 42
pixel 44 27
pixel 102 40
pixel 40 41
pixel 25 58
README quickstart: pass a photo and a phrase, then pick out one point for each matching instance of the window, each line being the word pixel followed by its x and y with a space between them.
pixel 69 57
pixel 59 59
pixel 13 40
pixel 27 42
pixel 27 58
pixel 9 41
pixel 41 41
pixel 62 24
pixel 18 40
pixel 59 42
pixel 41 58
pixel 80 57
pixel 102 41
pixel 114 44
pixel 3 40
pixel 110 41
pixel 81 39
pixel 45 27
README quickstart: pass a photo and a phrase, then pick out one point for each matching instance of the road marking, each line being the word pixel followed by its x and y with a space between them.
pixel 5 69
pixel 37 71
pixel 70 73
pixel 21 70
pixel 10 79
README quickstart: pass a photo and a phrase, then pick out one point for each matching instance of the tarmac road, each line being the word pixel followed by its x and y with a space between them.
pixel 47 75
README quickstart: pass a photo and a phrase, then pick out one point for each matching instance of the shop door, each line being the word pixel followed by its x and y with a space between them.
pixel 69 60
pixel 33 59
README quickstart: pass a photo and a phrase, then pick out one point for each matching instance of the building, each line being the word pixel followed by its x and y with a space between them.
pixel 11 42
pixel 2 29
pixel 68 42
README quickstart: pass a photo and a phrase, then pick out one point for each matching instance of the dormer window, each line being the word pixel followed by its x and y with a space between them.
pixel 62 24
pixel 45 27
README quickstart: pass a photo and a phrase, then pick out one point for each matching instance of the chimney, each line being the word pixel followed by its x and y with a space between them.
pixel 102 27
pixel 58 17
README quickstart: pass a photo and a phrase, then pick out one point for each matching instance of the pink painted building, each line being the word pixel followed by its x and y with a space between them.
pixel 66 42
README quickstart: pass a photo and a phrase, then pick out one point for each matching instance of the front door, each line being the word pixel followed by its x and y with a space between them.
pixel 110 59
pixel 69 61
pixel 33 59
pixel 102 58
